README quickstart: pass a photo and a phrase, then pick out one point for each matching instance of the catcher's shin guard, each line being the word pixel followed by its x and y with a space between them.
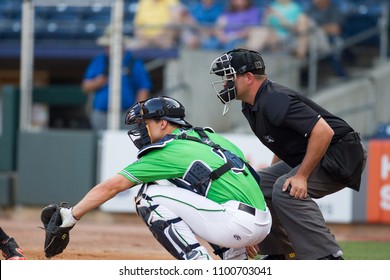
pixel 167 236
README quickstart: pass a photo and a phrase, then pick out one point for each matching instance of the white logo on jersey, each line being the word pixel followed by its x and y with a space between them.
pixel 268 138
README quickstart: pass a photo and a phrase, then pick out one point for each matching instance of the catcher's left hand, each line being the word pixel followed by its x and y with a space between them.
pixel 57 222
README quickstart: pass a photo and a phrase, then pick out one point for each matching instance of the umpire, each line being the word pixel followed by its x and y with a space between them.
pixel 315 154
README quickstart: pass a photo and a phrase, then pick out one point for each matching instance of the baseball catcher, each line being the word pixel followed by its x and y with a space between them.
pixel 57 221
pixel 213 193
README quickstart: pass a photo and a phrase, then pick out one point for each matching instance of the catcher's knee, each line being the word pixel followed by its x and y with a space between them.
pixel 166 234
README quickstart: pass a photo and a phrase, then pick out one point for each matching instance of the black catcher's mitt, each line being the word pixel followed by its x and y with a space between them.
pixel 56 237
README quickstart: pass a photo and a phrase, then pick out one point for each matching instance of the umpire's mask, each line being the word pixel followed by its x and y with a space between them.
pixel 160 108
pixel 227 66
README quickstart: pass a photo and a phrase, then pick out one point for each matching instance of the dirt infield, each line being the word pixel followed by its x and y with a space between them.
pixel 103 236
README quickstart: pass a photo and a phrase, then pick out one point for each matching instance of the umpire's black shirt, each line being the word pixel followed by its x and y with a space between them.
pixel 282 119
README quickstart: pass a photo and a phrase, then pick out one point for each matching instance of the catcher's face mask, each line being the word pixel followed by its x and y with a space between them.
pixel 164 108
pixel 225 88
pixel 138 131
pixel 158 108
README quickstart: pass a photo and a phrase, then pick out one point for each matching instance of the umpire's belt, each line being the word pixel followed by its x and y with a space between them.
pixel 247 208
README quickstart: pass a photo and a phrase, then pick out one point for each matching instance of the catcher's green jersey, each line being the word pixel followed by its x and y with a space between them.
pixel 173 158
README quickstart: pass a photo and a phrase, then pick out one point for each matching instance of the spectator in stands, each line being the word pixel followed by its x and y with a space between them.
pixel 136 83
pixel 199 22
pixel 289 27
pixel 328 21
pixel 156 24
pixel 234 26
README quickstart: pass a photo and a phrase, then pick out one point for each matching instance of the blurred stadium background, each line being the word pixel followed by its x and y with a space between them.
pixel 49 154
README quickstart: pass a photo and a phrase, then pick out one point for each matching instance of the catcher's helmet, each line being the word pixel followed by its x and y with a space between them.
pixel 161 108
pixel 228 65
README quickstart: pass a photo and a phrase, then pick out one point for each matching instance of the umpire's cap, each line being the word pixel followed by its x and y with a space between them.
pixel 242 60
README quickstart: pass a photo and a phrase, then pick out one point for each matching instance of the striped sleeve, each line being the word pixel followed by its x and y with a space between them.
pixel 130 176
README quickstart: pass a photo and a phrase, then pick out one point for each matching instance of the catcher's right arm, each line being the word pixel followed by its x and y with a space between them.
pixel 57 222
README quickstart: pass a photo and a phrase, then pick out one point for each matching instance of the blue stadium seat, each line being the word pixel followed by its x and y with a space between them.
pixel 63 12
pixel 382 131
pixel 98 13
pixel 11 11
pixel 42 13
pixel 10 29
pixel 361 15
pixel 90 30
pixel 130 10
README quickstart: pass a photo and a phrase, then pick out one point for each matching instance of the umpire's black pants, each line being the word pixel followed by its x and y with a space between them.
pixel 297 224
